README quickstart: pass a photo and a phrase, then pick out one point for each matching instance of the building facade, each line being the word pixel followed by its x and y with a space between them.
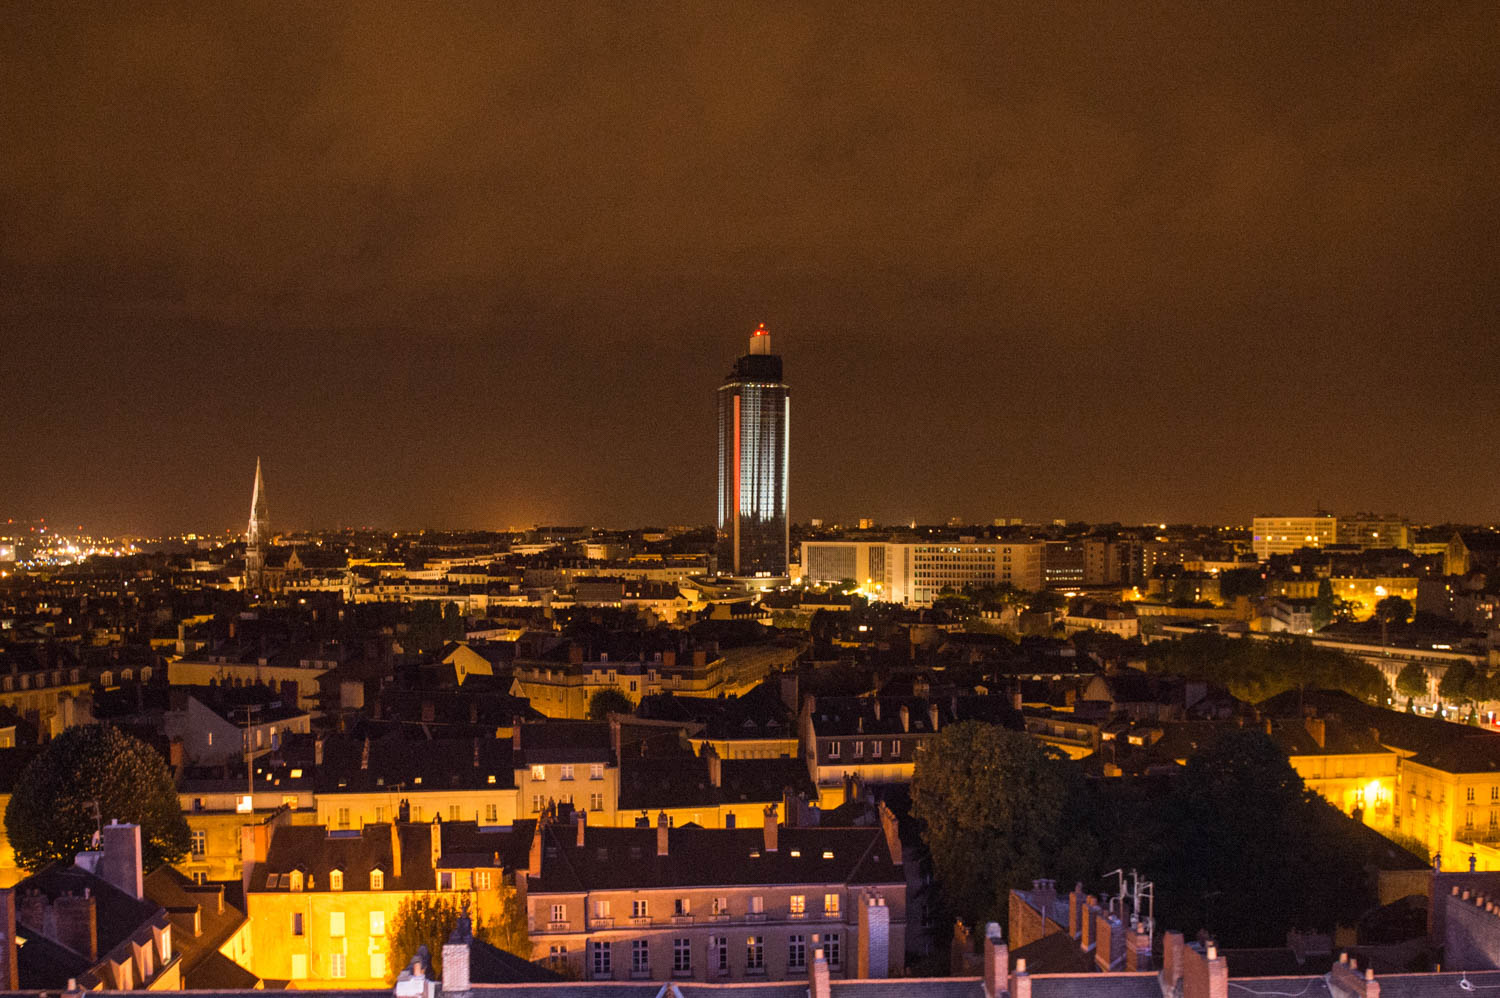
pixel 917 573
pixel 1284 534
pixel 754 436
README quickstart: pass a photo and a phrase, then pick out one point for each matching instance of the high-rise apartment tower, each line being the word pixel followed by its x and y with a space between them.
pixel 754 434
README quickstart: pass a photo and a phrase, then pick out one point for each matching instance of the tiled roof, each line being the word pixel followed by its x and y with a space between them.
pixel 625 858
pixel 316 851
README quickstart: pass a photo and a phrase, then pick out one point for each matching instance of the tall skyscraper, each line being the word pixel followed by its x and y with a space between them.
pixel 257 535
pixel 754 437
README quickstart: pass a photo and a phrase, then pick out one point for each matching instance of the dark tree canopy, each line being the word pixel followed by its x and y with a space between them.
pixel 610 700
pixel 1412 680
pixel 990 799
pixel 429 919
pixel 52 813
pixel 1256 670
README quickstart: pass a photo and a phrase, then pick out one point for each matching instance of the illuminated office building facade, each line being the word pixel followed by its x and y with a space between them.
pixel 754 433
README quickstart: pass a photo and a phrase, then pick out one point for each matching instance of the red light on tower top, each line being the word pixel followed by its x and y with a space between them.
pixel 760 340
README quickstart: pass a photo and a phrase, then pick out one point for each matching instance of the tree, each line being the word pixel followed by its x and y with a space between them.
pixel 1412 680
pixel 1046 601
pixel 1254 670
pixel 990 801
pixel 87 776
pixel 1458 682
pixel 429 919
pixel 1392 610
pixel 1322 612
pixel 610 700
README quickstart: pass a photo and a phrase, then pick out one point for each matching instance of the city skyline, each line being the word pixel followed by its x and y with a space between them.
pixel 1098 264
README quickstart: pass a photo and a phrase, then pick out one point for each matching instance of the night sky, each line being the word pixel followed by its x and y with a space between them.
pixel 483 265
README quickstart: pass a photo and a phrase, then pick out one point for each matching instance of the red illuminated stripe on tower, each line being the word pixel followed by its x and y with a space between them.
pixel 736 513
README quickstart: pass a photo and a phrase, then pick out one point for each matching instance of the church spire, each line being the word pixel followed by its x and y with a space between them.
pixel 257 534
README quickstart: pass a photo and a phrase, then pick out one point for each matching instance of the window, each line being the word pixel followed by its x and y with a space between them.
pixel 377 880
pixel 377 965
pixel 452 812
pixel 567 773
pixel 831 948
pixel 1495 793
pixel 859 750
pixel 336 965
pixel 682 906
pixel 875 748
pixel 596 770
pixel 718 953
pixel 336 924
pixel 538 772
pixel 559 913
pixel 833 750
pixel 200 842
pixel 798 905
pixel 796 952
pixel 379 814
pixel 336 880
pixel 640 956
pixel 831 905
pixel 296 880
pixel 297 923
pixel 536 803
pixel 895 749
pixel 200 877
pixel 682 956
pixel 721 906
pixel 755 953
pixel 343 817
pixel 445 880
pixel 600 959
pixel 481 880
pixel 1469 795
pixel 491 813
pixel 557 954
pixel 757 904
pixel 299 966
pixel 596 802
pixel 638 909
pixel 377 923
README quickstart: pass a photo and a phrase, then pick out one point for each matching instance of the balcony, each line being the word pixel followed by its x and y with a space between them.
pixel 796 915
pixel 641 975
pixel 602 922
pixel 640 920
pixel 682 919
pixel 755 916
pixel 557 926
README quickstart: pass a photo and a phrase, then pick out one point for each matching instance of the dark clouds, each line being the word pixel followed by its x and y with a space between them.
pixel 483 264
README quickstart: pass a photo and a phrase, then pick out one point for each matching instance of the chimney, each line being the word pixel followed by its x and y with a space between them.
pixel 534 856
pixel 996 961
pixel 78 924
pixel 1205 974
pixel 1075 912
pixel 175 755
pixel 395 851
pixel 877 708
pixel 715 766
pixel 1044 893
pixel 905 718
pixel 122 858
pixel 932 715
pixel 1346 981
pixel 1109 942
pixel 1171 962
pixel 10 972
pixel 435 840
pixel 318 751
pixel 515 739
pixel 456 957
pixel 1090 916
pixel 662 829
pixel 874 958
pixel 817 976
pixel 892 831
pixel 1318 729
pixel 1137 947
pixel 770 828
pixel 1020 981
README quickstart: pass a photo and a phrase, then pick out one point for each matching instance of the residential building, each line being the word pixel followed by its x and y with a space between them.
pixel 918 573
pixel 1367 530
pixel 699 904
pixel 1284 534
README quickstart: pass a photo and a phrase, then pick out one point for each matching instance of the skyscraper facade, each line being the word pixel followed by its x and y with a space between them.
pixel 754 436
pixel 257 535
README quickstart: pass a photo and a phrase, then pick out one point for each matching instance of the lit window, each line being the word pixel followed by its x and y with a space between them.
pixel 377 923
pixel 336 880
pixel 538 772
pixel 831 905
pixel 377 880
pixel 755 953
pixel 336 924
pixel 481 880
pixel 798 904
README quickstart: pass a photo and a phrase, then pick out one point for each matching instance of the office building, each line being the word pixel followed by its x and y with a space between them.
pixel 754 434
pixel 917 573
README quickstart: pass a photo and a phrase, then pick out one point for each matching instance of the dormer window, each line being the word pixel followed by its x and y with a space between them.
pixel 294 880
pixel 336 880
pixel 538 772
pixel 377 880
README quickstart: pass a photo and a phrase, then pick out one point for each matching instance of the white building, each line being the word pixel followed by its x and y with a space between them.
pixel 1285 534
pixel 917 572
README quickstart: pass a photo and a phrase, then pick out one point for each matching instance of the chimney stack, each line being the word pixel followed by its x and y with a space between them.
pixel 905 718
pixel 1020 981
pixel 932 715
pixel 1171 961
pixel 317 751
pixel 122 858
pixel 1205 974
pixel 10 972
pixel 456 957
pixel 715 766
pixel 1318 729
pixel 78 924
pixel 817 976
pixel 661 833
pixel 874 957
pixel 395 851
pixel 1087 940
pixel 1075 911
pixel 996 961
pixel 770 828
pixel 581 819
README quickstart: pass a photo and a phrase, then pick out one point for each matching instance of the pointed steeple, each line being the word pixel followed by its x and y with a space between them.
pixel 257 534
